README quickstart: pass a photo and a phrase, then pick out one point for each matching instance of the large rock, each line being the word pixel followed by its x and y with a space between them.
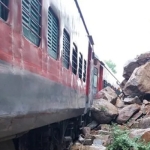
pixel 103 111
pixel 139 82
pixel 144 123
pixel 130 100
pixel 108 94
pixel 144 134
pixel 127 112
pixel 132 64
pixel 129 68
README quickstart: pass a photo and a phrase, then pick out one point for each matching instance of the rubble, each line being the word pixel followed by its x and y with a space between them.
pixel 129 111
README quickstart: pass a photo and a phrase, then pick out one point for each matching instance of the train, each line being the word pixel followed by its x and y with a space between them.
pixel 49 74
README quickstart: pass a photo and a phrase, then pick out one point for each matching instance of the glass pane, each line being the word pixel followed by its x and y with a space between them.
pixel 95 81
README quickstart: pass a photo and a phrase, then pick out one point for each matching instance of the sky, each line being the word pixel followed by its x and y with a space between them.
pixel 120 28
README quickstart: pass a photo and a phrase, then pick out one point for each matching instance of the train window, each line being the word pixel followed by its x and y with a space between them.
pixel 31 20
pixel 80 65
pixel 74 59
pixel 84 74
pixel 4 9
pixel 53 34
pixel 95 77
pixel 66 49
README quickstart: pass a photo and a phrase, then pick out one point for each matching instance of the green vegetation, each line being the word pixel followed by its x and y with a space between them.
pixel 103 108
pixel 111 65
pixel 122 141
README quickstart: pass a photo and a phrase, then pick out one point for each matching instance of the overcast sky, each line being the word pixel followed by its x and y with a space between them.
pixel 120 28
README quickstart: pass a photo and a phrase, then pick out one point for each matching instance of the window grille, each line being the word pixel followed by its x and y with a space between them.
pixel 80 65
pixel 66 49
pixel 53 34
pixel 74 59
pixel 4 10
pixel 95 77
pixel 84 74
pixel 31 20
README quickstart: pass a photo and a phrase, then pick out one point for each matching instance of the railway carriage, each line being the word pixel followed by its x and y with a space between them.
pixel 48 73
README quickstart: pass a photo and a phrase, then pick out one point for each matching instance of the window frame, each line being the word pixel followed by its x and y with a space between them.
pixel 84 73
pixel 66 45
pixel 6 7
pixel 74 50
pixel 80 65
pixel 29 32
pixel 54 53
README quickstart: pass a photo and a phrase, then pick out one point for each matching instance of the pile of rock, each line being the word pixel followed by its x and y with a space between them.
pixel 93 139
pixel 132 108
pixel 107 107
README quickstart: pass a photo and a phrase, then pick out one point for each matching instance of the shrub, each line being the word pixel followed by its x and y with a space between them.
pixel 122 141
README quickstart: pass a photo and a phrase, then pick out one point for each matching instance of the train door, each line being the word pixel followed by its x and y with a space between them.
pixel 100 78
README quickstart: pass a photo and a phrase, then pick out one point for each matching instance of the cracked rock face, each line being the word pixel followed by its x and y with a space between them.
pixel 139 82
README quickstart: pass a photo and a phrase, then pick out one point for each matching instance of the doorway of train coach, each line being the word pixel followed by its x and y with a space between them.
pixel 100 78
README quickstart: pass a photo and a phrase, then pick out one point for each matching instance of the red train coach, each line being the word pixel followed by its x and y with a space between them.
pixel 48 73
pixel 45 64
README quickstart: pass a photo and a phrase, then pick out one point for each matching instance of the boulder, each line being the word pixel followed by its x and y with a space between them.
pixel 103 111
pixel 119 103
pixel 132 64
pixel 134 118
pixel 138 84
pixel 130 100
pixel 144 134
pixel 129 68
pixel 108 94
pixel 127 112
pixel 144 123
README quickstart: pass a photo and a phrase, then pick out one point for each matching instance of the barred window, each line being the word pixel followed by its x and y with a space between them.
pixel 74 59
pixel 66 49
pixel 95 77
pixel 31 20
pixel 80 65
pixel 53 34
pixel 4 10
pixel 84 73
